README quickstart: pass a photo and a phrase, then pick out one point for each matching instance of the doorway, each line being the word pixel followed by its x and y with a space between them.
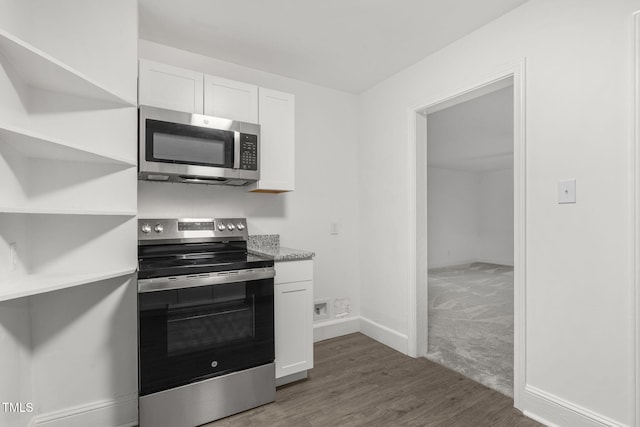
pixel 470 244
pixel 490 249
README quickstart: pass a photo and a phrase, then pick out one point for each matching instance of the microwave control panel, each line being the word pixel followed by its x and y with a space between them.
pixel 248 152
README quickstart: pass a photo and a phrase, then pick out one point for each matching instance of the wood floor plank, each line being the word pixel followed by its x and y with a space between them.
pixel 357 381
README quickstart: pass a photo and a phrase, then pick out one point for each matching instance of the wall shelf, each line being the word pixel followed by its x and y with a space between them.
pixel 35 145
pixel 42 70
pixel 33 284
pixel 45 211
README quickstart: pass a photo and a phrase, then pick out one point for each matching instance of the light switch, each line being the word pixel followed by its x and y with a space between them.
pixel 567 191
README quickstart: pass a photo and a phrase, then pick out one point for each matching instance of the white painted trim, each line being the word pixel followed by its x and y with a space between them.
pixel 554 411
pixel 338 327
pixel 635 227
pixel 384 335
pixel 412 230
pixel 488 83
pixel 492 84
pixel 335 328
pixel 118 412
pixel 520 234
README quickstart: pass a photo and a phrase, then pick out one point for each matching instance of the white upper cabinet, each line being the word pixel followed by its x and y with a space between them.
pixel 230 99
pixel 173 88
pixel 277 142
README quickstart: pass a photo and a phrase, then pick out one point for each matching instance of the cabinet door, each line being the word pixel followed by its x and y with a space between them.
pixel 293 327
pixel 230 99
pixel 174 88
pixel 277 138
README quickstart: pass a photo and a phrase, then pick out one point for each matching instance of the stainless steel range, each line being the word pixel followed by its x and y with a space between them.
pixel 206 322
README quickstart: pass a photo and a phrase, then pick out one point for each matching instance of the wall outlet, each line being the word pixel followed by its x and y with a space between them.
pixel 342 307
pixel 321 310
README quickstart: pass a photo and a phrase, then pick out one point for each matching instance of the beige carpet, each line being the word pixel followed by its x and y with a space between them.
pixel 471 322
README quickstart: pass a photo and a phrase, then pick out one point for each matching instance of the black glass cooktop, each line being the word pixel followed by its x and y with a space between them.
pixel 196 258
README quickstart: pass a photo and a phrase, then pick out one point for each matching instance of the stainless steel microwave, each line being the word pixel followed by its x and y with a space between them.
pixel 192 148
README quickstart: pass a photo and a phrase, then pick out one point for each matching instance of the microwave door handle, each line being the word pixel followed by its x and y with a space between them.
pixel 236 150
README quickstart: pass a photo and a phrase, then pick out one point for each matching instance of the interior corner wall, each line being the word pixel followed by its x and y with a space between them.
pixel 99 39
pixel 495 223
pixel 578 84
pixel 16 17
pixel 326 178
pixel 453 203
pixel 15 362
pixel 86 338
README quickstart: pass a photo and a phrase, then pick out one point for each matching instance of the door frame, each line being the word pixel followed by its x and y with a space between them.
pixel 635 189
pixel 417 163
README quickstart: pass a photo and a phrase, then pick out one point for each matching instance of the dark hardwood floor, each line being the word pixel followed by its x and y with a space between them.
pixel 357 381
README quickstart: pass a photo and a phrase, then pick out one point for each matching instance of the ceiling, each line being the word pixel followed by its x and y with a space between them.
pixel 349 45
pixel 475 135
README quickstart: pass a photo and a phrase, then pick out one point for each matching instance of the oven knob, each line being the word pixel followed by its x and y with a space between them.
pixel 221 227
pixel 231 227
pixel 240 226
pixel 158 228
pixel 146 228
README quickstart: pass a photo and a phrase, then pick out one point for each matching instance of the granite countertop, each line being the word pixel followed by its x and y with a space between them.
pixel 269 245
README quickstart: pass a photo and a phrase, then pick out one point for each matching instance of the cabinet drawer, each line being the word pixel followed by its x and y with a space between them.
pixel 293 271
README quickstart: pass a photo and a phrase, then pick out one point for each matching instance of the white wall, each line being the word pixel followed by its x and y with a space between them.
pixel 453 204
pixel 15 360
pixel 470 217
pixel 495 223
pixel 84 350
pixel 326 178
pixel 579 314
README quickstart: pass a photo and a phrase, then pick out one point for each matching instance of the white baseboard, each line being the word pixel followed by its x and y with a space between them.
pixel 506 262
pixel 384 335
pixel 119 412
pixel 338 327
pixel 553 411
pixel 450 263
pixel 471 261
pixel 335 328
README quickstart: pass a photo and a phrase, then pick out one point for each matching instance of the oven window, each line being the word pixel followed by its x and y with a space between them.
pixel 186 144
pixel 228 320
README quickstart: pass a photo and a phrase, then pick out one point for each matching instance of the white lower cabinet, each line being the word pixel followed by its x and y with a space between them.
pixel 293 320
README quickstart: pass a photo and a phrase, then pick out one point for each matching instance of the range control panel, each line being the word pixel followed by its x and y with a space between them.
pixel 184 229
pixel 248 151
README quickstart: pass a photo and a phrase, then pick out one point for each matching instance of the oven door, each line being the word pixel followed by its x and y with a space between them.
pixel 198 332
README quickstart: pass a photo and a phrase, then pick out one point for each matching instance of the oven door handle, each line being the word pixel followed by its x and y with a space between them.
pixel 205 279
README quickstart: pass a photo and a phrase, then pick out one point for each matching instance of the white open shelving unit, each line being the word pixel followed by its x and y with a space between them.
pixel 67 209
pixel 39 69
pixel 35 145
